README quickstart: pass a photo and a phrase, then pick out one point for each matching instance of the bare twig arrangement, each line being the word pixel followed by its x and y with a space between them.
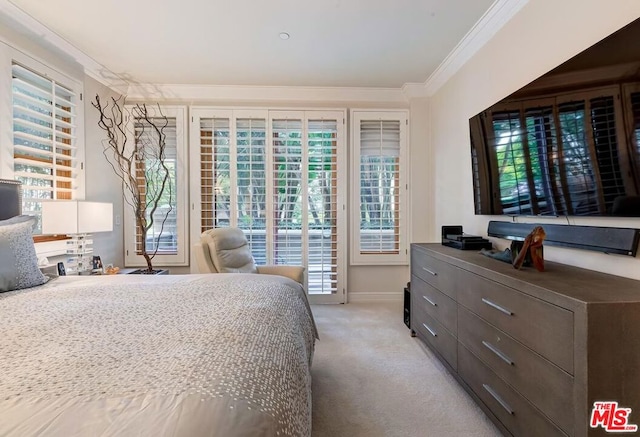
pixel 140 164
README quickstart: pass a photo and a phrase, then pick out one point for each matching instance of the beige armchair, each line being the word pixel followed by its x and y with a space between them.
pixel 226 250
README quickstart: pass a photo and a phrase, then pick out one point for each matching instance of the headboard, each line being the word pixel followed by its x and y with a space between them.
pixel 10 198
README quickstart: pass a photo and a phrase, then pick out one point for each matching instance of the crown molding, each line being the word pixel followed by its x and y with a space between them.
pixel 91 67
pixel 209 93
pixel 414 90
pixel 489 24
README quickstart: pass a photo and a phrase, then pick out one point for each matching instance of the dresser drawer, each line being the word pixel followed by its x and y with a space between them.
pixel 543 327
pixel 547 386
pixel 435 335
pixel 434 272
pixel 438 305
pixel 515 412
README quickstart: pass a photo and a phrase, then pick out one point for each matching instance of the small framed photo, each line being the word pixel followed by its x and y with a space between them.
pixel 96 266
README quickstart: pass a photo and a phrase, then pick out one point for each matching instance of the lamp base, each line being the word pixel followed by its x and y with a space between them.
pixel 79 253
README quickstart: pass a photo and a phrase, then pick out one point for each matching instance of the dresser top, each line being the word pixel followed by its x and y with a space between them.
pixel 561 284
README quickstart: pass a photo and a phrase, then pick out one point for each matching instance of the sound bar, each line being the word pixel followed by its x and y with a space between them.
pixel 621 241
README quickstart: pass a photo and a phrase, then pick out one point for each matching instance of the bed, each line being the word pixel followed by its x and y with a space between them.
pixel 182 355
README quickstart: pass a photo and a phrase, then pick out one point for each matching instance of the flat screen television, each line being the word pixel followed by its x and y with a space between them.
pixel 568 143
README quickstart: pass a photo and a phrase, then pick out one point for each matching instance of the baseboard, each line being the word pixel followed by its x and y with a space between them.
pixel 358 297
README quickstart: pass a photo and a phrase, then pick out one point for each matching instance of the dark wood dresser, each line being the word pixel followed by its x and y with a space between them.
pixel 534 349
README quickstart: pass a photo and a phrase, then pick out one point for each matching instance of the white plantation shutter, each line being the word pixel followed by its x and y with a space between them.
pixel 163 234
pixel 379 167
pixel 215 173
pixel 322 163
pixel 169 238
pixel 287 174
pixel 275 175
pixel 45 148
pixel 251 184
pixel 232 182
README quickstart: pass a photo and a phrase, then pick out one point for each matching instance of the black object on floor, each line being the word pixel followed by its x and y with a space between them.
pixel 407 305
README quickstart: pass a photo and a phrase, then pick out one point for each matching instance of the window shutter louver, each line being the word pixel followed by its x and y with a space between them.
pixel 379 187
pixel 288 190
pixel 44 139
pixel 251 184
pixel 163 234
pixel 215 173
pixel 379 194
pixel 322 152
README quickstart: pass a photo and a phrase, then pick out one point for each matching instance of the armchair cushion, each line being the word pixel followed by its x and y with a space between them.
pixel 292 272
pixel 229 250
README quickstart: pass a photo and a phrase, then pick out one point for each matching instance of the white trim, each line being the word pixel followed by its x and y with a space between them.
pixel 414 90
pixel 489 24
pixel 374 296
pixel 225 93
pixel 91 67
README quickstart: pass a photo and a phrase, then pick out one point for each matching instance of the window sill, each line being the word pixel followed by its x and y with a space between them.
pixel 47 238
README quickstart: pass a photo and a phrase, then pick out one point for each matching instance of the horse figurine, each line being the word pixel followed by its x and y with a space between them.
pixel 533 245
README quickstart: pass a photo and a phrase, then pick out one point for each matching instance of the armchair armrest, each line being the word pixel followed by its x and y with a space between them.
pixel 292 272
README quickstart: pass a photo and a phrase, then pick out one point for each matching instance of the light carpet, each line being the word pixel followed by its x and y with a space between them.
pixel 371 378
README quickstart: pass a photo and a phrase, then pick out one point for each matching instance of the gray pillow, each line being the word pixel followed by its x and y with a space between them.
pixel 18 260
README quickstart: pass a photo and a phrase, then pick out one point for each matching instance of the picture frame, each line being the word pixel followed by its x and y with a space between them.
pixel 96 265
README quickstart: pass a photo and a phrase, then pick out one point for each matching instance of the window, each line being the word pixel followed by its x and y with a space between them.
pixel 280 177
pixel 168 235
pixel 379 179
pixel 47 155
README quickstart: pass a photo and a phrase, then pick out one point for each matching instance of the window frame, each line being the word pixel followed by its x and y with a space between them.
pixel 201 195
pixel 181 257
pixel 356 256
pixel 9 55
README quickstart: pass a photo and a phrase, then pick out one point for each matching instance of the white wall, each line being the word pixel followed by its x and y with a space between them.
pixel 102 185
pixel 541 36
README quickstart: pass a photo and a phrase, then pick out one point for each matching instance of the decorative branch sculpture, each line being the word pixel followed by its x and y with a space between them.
pixel 135 148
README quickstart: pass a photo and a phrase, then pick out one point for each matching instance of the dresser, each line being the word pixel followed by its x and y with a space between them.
pixel 534 349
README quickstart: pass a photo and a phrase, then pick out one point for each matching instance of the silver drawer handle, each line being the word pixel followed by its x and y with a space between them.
pixel 430 301
pixel 496 306
pixel 498 352
pixel 429 271
pixel 431 331
pixel 498 398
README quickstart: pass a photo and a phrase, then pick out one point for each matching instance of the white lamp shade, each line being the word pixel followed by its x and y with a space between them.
pixel 76 217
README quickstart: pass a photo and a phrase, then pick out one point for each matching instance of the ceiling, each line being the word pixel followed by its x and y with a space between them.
pixel 333 43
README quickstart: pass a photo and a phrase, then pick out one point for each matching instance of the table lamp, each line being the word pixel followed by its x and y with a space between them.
pixel 77 219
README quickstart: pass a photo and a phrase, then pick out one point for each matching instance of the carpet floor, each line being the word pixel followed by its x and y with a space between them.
pixel 371 378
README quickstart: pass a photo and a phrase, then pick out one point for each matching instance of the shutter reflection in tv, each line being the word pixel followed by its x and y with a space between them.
pixel 567 144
